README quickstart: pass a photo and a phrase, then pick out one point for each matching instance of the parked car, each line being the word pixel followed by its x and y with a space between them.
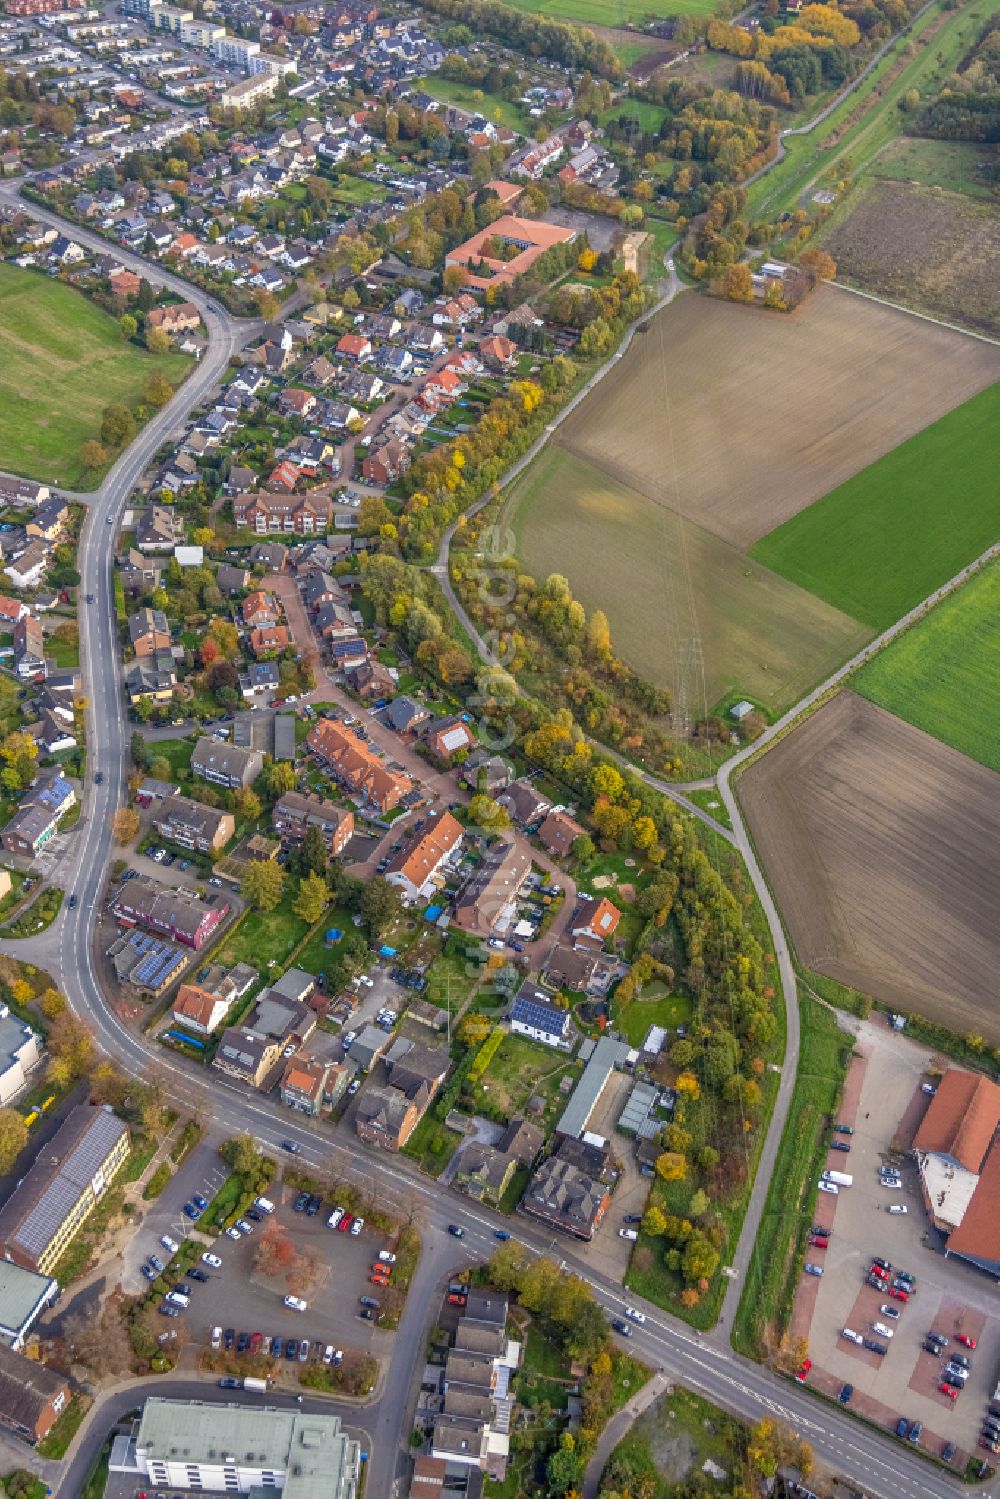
pixel 197 1274
pixel 213 1260
pixel 357 1226
pixel 156 1262
pixel 369 1301
pixel 846 1391
pixel 965 1340
pixel 891 1311
pixel 387 1257
pixel 301 1202
pixel 913 1435
pixel 948 1452
pixel 229 1338
pixel 296 1303
pixel 813 1269
pixel 829 1187
pixel 931 1348
pixel 840 1145
pixel 456 1231
pixel 335 1217
pixel 168 1243
pixel 802 1372
pixel 949 1390
pixel 902 1426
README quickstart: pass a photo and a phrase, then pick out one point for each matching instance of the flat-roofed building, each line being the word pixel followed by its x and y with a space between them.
pixel 243 1449
pixel 24 1296
pixel 44 1212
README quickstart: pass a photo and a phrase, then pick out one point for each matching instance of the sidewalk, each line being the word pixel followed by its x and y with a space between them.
pixel 617 1428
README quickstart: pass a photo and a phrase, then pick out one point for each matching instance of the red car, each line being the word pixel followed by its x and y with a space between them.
pixel 802 1374
pixel 877 1270
pixel 455 1300
pixel 898 1294
pixel 255 1342
pixel 819 1243
pixel 965 1340
pixel 345 1223
pixel 949 1390
pixel 381 1268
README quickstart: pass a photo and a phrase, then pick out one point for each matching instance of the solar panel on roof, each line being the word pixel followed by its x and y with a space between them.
pixel 541 1016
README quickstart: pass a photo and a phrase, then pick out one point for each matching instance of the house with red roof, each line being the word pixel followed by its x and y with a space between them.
pixel 354 346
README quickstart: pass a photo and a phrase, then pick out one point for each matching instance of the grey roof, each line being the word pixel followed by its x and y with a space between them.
pixel 21 1293
pixel 26 1388
pixel 317 1458
pixel 606 1056
pixel 295 984
pixel 59 1177
pixel 641 1102
pixel 284 736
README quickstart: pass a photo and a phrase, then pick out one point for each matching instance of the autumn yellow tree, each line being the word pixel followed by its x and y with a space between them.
pixel 671 1166
pixel 126 824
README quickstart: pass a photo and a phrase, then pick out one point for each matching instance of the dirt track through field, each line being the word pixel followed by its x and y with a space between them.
pixel 882 847
pixel 738 419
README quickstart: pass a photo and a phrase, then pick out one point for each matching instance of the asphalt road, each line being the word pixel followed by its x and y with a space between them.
pixel 706 1364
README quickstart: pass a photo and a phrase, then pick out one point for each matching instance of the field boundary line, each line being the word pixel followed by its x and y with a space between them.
pixel 855 291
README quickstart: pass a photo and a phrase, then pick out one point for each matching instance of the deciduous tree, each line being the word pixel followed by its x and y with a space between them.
pixel 312 898
pixel 126 824
pixel 263 884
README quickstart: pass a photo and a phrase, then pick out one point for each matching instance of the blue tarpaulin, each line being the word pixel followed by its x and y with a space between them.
pixel 387 952
pixel 433 912
pixel 333 935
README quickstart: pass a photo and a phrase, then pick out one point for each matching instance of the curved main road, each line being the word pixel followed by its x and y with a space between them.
pixel 705 1363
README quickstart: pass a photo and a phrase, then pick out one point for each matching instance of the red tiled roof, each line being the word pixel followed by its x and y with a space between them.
pixel 962 1119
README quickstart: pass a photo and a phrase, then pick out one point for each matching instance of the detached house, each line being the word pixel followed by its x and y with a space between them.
pixel 182 318
pixel 595 922
pixel 149 632
pixel 194 825
pixel 387 464
pixel 29 648
pixel 260 609
pixel 354 346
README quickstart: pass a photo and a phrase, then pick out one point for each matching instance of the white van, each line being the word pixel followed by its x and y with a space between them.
pixel 628 1233
pixel 852 1337
pixel 262 1204
pixel 177 1298
pixel 898 1207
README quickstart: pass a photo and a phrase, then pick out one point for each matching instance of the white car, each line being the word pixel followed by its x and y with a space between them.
pixel 169 1243
pixel 328 1353
pixel 893 1183
pixel 882 1330
pixel 296 1303
pixel 635 1314
pixel 233 1233
pixel 216 1337
pixel 335 1217
pixel 897 1208
pixel 890 1311
pixel 357 1226
pixel 851 1336
pixel 830 1187
pixel 387 1257
pixel 213 1260
pixel 368 983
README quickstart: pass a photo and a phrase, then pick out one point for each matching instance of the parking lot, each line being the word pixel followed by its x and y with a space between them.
pixel 883 1102
pixel 244 1298
pixel 203 1172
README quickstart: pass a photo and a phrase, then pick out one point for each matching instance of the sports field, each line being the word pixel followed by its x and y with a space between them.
pixel 943 675
pixel 738 419
pixel 882 847
pixel 900 528
pixel 62 360
pixel 663 581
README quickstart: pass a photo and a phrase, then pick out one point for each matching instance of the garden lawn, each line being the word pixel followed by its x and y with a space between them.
pixel 315 956
pixel 450 981
pixel 900 528
pixel 778 1252
pixel 432 1144
pixel 467 96
pixel 635 1019
pixel 264 939
pixel 177 752
pixel 517 1071
pixel 943 674
pixel 62 360
pixel 599 13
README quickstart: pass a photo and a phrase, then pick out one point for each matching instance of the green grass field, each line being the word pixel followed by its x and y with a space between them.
pixel 662 579
pixel 62 360
pixel 943 675
pixel 465 96
pixel 605 13
pixel 956 166
pixel 635 1019
pixel 773 1272
pixel 900 528
pixel 847 138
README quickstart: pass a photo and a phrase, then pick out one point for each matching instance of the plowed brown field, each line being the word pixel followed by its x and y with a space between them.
pixel 882 846
pixel 738 419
